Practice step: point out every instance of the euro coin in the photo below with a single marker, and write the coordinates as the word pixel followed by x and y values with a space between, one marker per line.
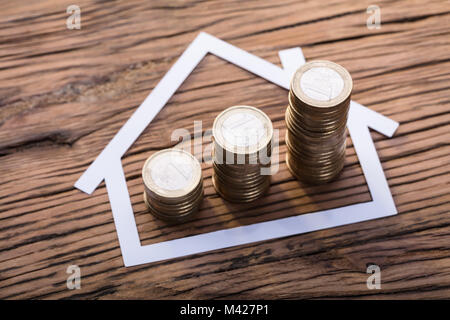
pixel 316 118
pixel 173 184
pixel 242 153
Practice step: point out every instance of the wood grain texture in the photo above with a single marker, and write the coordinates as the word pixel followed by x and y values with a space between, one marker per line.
pixel 65 93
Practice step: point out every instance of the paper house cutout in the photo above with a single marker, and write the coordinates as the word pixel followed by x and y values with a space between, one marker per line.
pixel 107 166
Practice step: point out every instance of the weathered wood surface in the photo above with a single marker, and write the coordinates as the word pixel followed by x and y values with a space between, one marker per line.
pixel 65 93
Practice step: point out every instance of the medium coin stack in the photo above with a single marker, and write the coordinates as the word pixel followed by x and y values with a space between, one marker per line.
pixel 173 184
pixel 316 118
pixel 241 154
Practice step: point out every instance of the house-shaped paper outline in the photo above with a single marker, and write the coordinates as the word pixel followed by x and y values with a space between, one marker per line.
pixel 108 164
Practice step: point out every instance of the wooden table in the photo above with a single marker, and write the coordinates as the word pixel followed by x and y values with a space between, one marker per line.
pixel 65 93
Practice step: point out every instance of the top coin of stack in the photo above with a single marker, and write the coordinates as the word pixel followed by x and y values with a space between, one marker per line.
pixel 316 119
pixel 241 155
pixel 173 184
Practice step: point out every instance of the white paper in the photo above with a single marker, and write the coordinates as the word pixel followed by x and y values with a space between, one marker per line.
pixel 108 164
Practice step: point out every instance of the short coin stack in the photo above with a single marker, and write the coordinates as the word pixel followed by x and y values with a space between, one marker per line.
pixel 173 184
pixel 241 155
pixel 316 118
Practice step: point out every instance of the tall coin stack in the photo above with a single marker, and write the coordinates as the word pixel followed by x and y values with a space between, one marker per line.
pixel 173 184
pixel 241 155
pixel 319 99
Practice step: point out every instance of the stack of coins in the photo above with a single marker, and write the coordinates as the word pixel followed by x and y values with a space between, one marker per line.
pixel 316 118
pixel 241 154
pixel 173 184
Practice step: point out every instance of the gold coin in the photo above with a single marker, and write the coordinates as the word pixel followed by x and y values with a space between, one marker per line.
pixel 242 130
pixel 321 84
pixel 173 184
pixel 316 118
pixel 242 149
pixel 171 173
pixel 163 216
